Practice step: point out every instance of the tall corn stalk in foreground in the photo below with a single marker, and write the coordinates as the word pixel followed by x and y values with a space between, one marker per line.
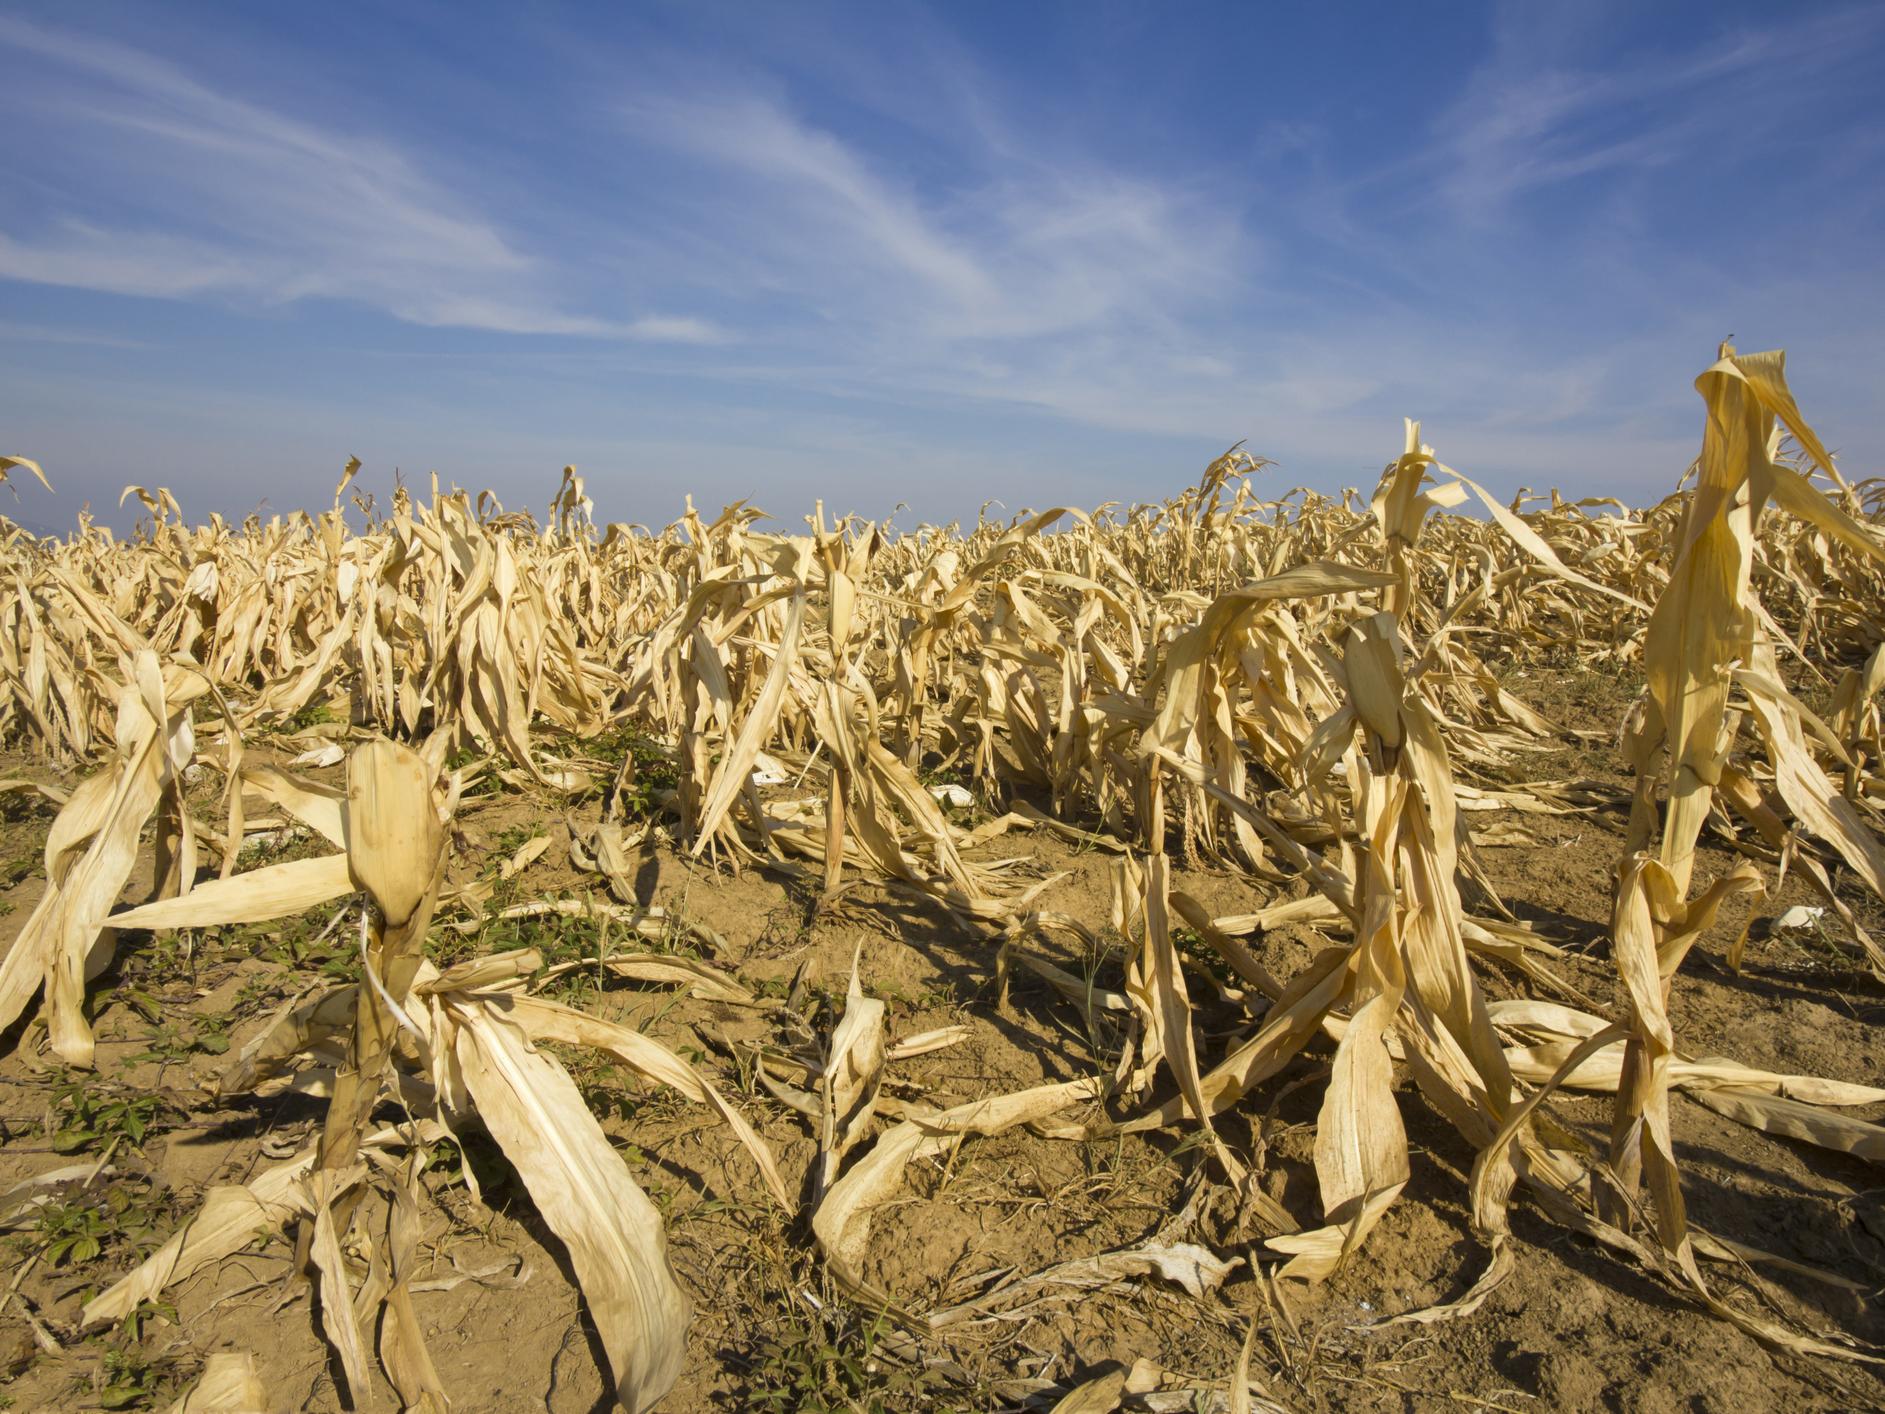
pixel 1707 635
pixel 453 1049
pixel 1410 974
pixel 1404 989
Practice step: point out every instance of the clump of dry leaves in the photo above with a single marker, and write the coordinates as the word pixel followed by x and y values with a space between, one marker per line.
pixel 1293 688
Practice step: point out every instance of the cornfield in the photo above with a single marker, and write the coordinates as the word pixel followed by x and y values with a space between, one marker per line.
pixel 1307 699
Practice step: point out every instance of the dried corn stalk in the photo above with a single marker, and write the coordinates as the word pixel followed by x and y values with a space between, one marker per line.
pixel 1293 687
pixel 466 1040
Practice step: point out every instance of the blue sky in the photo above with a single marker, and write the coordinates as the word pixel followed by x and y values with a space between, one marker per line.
pixel 887 253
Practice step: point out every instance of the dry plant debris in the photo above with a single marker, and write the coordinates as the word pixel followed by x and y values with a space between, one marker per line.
pixel 1308 695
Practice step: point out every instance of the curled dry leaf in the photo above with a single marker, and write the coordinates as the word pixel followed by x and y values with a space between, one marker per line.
pixel 847 1084
pixel 842 1221
pixel 582 1188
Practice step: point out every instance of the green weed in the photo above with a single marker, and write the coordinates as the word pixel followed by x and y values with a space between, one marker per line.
pixel 88 1114
pixel 118 1220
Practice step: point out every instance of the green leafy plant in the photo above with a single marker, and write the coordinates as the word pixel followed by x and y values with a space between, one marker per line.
pixel 647 772
pixel 127 1379
pixel 445 1162
pixel 173 1044
pixel 72 1233
pixel 90 1114
pixel 117 1219
pixel 826 1360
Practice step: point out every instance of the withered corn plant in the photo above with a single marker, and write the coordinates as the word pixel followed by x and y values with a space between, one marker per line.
pixel 453 1049
pixel 1707 636
pixel 1312 693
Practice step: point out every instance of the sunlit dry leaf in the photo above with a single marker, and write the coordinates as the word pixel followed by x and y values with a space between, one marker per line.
pixel 582 1188
pixel 229 1385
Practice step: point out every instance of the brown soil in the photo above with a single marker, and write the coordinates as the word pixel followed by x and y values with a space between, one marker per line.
pixel 1576 1327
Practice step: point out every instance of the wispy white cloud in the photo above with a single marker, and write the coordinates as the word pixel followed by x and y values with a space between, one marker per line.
pixel 12 331
pixel 1531 118
pixel 834 188
pixel 233 199
pixel 674 329
pixel 125 262
pixel 1013 243
pixel 497 315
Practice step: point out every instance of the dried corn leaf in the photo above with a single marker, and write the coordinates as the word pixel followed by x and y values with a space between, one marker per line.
pixel 583 1190
pixel 853 1070
pixel 229 1385
pixel 259 896
pixel 842 1221
pixel 543 1020
pixel 230 1218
